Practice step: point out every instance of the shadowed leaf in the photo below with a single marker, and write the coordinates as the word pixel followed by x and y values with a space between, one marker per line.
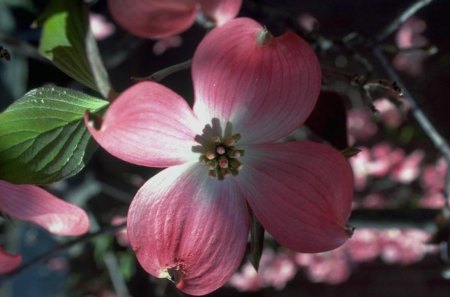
pixel 43 137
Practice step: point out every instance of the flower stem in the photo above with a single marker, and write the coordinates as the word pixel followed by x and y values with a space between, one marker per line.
pixel 163 73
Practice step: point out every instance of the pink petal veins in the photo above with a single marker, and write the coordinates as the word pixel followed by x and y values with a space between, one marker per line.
pixel 189 227
pixel 154 18
pixel 8 262
pixel 33 204
pixel 148 125
pixel 265 90
pixel 220 11
pixel 300 191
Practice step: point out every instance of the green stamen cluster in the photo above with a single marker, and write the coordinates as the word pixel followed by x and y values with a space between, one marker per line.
pixel 221 156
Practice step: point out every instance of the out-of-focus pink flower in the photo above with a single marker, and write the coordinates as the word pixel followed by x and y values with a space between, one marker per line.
pixel 433 176
pixel 158 19
pixel 275 270
pixel 190 222
pixel 57 264
pixel 374 200
pixel 33 204
pixel 360 125
pixel 100 27
pixel 404 246
pixel 329 267
pixel 410 36
pixel 432 181
pixel 360 169
pixel 408 170
pixel 8 262
pixel 376 162
pixel 121 235
pixel 308 22
pixel 390 114
pixel 364 245
pixel 164 44
pixel 432 199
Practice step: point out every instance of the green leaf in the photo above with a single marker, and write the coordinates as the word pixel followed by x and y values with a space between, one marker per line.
pixel 102 244
pixel 256 242
pixel 43 137
pixel 127 265
pixel 67 41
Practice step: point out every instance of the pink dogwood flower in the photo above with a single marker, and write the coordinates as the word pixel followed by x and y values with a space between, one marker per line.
pixel 8 262
pixel 33 204
pixel 158 19
pixel 190 222
pixel 410 36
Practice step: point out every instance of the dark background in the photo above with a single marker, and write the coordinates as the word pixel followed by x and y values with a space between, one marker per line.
pixel 126 56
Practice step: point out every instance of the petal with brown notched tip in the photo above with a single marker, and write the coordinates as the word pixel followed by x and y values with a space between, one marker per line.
pixel 265 90
pixel 148 125
pixel 301 192
pixel 190 227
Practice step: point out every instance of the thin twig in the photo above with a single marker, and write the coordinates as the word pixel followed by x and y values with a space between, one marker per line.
pixel 22 47
pixel 161 74
pixel 112 265
pixel 401 18
pixel 61 248
pixel 437 139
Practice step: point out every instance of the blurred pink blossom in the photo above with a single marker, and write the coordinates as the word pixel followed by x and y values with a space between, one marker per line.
pixel 364 245
pixel 375 162
pixel 57 264
pixel 121 235
pixel 410 36
pixel 100 27
pixel 432 200
pixel 408 169
pixel 374 200
pixel 329 267
pixel 404 246
pixel 275 270
pixel 308 22
pixel 163 44
pixel 390 114
pixel 158 19
pixel 433 176
pixel 360 125
pixel 432 182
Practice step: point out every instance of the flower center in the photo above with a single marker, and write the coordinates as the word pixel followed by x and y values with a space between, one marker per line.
pixel 218 150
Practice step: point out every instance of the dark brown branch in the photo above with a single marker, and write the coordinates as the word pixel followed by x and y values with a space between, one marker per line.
pixel 161 74
pixel 61 248
pixel 401 18
pixel 437 139
pixel 22 47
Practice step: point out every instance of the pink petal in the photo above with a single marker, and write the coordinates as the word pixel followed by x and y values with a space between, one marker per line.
pixel 33 204
pixel 149 125
pixel 300 191
pixel 8 262
pixel 266 91
pixel 154 18
pixel 191 225
pixel 221 11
